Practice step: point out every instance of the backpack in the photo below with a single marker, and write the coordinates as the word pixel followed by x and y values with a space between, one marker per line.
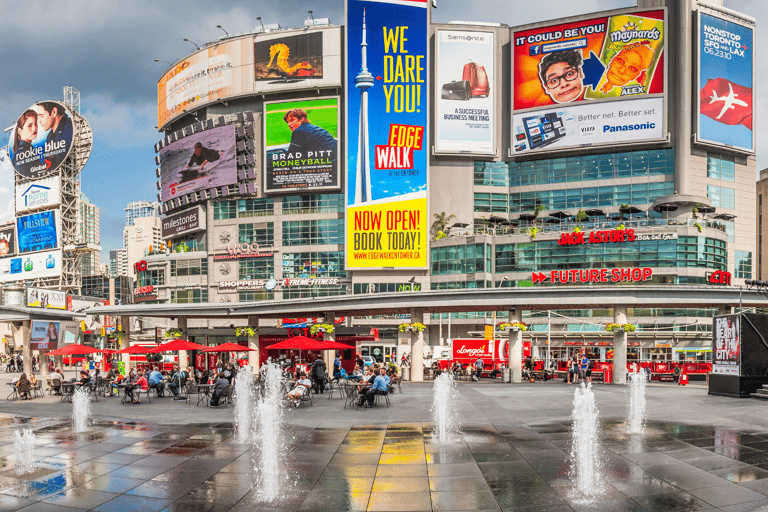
pixel 591 364
pixel 478 79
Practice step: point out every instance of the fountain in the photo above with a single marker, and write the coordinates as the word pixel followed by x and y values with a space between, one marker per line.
pixel 268 441
pixel 81 410
pixel 636 416
pixel 444 421
pixel 244 404
pixel 24 450
pixel 585 449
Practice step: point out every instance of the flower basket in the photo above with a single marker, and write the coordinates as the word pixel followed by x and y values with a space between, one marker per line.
pixel 514 326
pixel 321 328
pixel 118 335
pixel 620 328
pixel 173 333
pixel 245 331
pixel 414 327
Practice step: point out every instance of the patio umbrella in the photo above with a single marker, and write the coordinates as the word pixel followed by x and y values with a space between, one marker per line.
pixel 560 215
pixel 593 212
pixel 304 343
pixel 229 347
pixel 134 349
pixel 175 346
pixel 74 349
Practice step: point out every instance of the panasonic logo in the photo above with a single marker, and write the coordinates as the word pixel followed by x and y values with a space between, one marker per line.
pixel 628 127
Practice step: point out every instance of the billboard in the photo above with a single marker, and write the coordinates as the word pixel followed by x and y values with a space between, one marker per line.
pixel 46 299
pixel 43 193
pixel 465 96
pixel 38 231
pixel 588 124
pixel 297 56
pixel 725 83
pixel 30 266
pixel 616 56
pixel 200 161
pixel 216 72
pixel 44 335
pixel 188 221
pixel 301 145
pixel 41 139
pixel 726 345
pixel 8 240
pixel 387 134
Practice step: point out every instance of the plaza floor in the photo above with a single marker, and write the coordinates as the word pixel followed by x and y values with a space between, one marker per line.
pixel 698 453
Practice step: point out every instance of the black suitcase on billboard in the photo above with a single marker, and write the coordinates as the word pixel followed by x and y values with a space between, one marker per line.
pixel 456 91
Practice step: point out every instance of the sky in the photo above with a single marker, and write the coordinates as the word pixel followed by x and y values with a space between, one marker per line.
pixel 107 51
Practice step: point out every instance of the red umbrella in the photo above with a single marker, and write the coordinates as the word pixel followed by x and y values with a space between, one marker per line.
pixel 175 346
pixel 304 343
pixel 134 349
pixel 229 347
pixel 74 349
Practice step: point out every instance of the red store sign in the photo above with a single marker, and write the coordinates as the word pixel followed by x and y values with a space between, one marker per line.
pixel 140 266
pixel 720 277
pixel 594 275
pixel 598 237
pixel 143 290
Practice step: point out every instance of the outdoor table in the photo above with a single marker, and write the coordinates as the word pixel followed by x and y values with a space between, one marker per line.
pixel 204 393
pixel 68 389
pixel 14 395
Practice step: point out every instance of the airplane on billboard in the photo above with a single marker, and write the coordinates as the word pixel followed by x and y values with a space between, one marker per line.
pixel 729 101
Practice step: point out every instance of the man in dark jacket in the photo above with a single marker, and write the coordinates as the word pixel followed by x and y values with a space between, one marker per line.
pixel 218 390
pixel 318 375
pixel 308 138
pixel 229 373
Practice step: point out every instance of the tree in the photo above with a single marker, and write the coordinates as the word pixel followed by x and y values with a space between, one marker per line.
pixel 441 221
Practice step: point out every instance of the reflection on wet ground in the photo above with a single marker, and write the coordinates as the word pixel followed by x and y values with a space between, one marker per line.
pixel 126 466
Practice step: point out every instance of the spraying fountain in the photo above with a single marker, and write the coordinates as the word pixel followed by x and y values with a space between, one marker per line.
pixel 636 416
pixel 585 450
pixel 444 422
pixel 244 404
pixel 268 441
pixel 81 410
pixel 24 450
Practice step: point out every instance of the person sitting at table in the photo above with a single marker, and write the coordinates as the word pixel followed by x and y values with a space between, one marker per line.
pixel 178 379
pixel 368 376
pixel 156 381
pixel 56 380
pixel 141 383
pixel 229 373
pixel 32 379
pixel 19 383
pixel 377 387
pixel 356 373
pixel 114 388
pixel 84 377
pixel 302 386
pixel 218 389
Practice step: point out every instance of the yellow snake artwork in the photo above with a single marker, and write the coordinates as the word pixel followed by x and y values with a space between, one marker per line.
pixel 282 52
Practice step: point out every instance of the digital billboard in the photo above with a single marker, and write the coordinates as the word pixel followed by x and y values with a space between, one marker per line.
pixel 44 335
pixel 38 231
pixel 41 139
pixel 43 193
pixel 30 266
pixel 301 145
pixel 465 94
pixel 725 83
pixel 387 136
pixel 216 72
pixel 616 56
pixel 46 299
pixel 726 345
pixel 8 240
pixel 200 161
pixel 296 56
pixel 588 124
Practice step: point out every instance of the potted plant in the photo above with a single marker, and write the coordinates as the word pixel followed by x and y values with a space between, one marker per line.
pixel 321 328
pixel 577 229
pixel 532 232
pixel 173 332
pixel 698 226
pixel 118 335
pixel 405 327
pixel 620 227
pixel 440 223
pixel 245 331
pixel 418 326
pixel 620 328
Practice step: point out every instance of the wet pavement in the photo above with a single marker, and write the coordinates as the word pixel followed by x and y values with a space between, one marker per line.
pixel 697 453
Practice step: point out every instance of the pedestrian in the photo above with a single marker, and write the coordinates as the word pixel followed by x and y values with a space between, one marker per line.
pixel 318 373
pixel 479 366
pixel 575 368
pixel 584 366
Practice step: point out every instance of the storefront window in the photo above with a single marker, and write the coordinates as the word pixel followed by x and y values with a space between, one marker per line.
pixel 590 197
pixel 720 168
pixel 154 277
pixel 196 267
pixel 313 264
pixel 262 233
pixel 461 259
pixel 255 207
pixel 320 203
pixel 256 296
pixel 257 268
pixel 189 296
pixel 313 232
pixel 722 197
pixel 224 210
pixel 743 265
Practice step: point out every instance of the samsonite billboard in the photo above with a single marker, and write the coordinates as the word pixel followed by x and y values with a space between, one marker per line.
pixel 725 83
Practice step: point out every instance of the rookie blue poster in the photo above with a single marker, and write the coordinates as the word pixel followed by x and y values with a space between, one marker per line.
pixel 387 133
pixel 725 83
pixel 37 232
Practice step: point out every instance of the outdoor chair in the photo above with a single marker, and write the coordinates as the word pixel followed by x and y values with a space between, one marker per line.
pixel 91 389
pixel 191 389
pixel 55 387
pixel 24 388
pixel 38 389
pixel 395 380
pixel 378 395
pixel 306 397
pixel 137 394
pixel 226 397
pixel 338 387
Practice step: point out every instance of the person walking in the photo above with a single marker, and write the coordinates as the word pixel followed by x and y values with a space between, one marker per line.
pixel 584 366
pixel 479 366
pixel 318 373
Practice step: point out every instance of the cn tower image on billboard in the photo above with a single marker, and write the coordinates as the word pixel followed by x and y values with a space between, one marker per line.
pixel 363 81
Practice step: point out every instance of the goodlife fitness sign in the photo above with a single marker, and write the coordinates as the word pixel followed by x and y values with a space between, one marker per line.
pixel 594 275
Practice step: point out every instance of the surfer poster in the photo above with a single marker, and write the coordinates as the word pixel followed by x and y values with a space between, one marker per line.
pixel 200 161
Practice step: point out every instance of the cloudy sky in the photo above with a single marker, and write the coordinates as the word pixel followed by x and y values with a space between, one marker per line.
pixel 107 51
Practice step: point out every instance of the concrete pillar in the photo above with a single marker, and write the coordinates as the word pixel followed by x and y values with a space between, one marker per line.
pixel 620 347
pixel 515 363
pixel 43 356
pixel 125 342
pixel 183 355
pixel 417 348
pixel 26 352
pixel 253 342
pixel 328 355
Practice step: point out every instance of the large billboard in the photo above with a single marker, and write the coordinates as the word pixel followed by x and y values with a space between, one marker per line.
pixel 276 61
pixel 200 161
pixel 301 145
pixel 725 83
pixel 43 193
pixel 30 266
pixel 581 73
pixel 8 240
pixel 38 231
pixel 44 335
pixel 387 134
pixel 46 299
pixel 183 223
pixel 41 139
pixel 465 94
pixel 726 345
